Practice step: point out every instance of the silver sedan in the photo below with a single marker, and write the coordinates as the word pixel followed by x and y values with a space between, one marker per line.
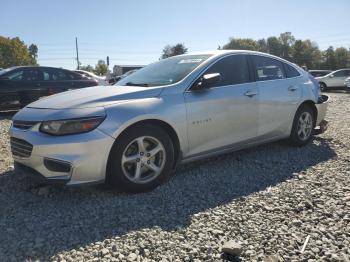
pixel 173 111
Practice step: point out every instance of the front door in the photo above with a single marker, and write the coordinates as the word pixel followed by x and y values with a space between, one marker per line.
pixel 227 112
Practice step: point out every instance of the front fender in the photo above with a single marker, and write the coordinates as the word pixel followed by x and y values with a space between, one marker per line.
pixel 169 109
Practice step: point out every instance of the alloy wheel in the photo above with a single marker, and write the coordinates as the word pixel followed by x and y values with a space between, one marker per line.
pixel 305 126
pixel 143 159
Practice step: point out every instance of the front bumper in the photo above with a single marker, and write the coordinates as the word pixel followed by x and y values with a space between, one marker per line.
pixel 73 159
pixel 321 123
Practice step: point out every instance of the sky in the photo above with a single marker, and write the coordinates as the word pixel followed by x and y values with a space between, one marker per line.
pixel 135 32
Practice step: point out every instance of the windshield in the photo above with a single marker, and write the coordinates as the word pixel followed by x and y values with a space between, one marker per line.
pixel 165 72
pixel 3 71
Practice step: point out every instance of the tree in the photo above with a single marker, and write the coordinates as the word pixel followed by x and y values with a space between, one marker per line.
pixel 101 68
pixel 342 57
pixel 274 46
pixel 301 52
pixel 329 59
pixel 287 40
pixel 88 68
pixel 241 44
pixel 262 46
pixel 33 51
pixel 13 52
pixel 306 53
pixel 174 50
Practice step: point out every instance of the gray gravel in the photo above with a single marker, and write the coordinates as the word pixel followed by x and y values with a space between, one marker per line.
pixel 267 200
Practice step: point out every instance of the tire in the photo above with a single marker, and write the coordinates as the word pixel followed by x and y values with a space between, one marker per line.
pixel 303 126
pixel 323 86
pixel 134 169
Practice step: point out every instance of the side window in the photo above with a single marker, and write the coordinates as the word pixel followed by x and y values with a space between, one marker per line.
pixel 267 68
pixel 59 75
pixel 290 71
pixel 46 74
pixel 339 73
pixel 75 76
pixel 16 76
pixel 233 70
pixel 32 74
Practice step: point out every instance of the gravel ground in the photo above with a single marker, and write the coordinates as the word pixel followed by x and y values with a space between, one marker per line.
pixel 269 199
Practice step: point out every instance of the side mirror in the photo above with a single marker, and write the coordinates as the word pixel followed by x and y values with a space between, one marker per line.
pixel 331 76
pixel 206 81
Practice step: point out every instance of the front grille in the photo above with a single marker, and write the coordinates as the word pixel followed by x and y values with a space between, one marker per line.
pixel 25 125
pixel 21 147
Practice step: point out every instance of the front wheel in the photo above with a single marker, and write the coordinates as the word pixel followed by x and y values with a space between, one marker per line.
pixel 303 126
pixel 323 87
pixel 141 159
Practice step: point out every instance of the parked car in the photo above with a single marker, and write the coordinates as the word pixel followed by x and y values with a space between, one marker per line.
pixel 334 80
pixel 347 83
pixel 22 85
pixel 101 80
pixel 114 80
pixel 318 73
pixel 173 111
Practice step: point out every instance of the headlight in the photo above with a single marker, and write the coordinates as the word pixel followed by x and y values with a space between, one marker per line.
pixel 70 126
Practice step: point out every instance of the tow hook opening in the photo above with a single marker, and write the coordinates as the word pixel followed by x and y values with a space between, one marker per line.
pixel 322 99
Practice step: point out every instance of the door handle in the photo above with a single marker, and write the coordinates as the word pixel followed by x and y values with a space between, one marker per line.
pixel 38 84
pixel 292 88
pixel 250 93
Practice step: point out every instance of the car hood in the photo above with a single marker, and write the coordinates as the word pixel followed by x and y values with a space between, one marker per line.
pixel 97 96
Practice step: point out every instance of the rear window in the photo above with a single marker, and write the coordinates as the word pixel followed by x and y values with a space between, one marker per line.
pixel 267 68
pixel 290 71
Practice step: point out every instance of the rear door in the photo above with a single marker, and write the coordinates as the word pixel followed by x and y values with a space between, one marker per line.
pixel 10 87
pixel 338 78
pixel 32 89
pixel 226 113
pixel 56 80
pixel 21 87
pixel 278 96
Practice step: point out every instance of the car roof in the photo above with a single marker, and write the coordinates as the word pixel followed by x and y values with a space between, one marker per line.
pixel 223 52
pixel 218 53
pixel 341 69
pixel 47 67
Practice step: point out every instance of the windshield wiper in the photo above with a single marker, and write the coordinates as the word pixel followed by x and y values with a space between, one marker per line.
pixel 135 84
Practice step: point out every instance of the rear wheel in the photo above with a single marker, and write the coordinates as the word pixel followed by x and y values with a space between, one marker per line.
pixel 303 126
pixel 323 86
pixel 141 159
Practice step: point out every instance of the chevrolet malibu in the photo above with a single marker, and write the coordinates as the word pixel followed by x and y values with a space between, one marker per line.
pixel 173 111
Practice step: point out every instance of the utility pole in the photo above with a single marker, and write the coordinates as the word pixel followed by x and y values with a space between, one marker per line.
pixel 76 48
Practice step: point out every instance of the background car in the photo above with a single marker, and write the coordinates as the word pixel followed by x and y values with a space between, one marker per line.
pixel 318 73
pixel 20 86
pixel 101 80
pixel 173 111
pixel 347 83
pixel 334 80
pixel 114 80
